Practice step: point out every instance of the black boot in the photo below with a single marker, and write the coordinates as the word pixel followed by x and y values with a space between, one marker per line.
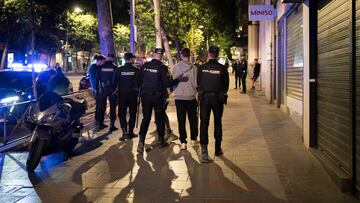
pixel 140 148
pixel 163 143
pixel 124 135
pixel 112 127
pixel 131 134
pixel 204 154
pixel 218 150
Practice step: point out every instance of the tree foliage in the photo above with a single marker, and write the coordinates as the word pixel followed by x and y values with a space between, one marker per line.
pixel 82 30
pixel 193 19
pixel 145 25
pixel 122 37
pixel 15 21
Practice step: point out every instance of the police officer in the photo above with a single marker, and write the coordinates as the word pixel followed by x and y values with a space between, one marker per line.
pixel 127 89
pixel 154 80
pixel 106 90
pixel 213 84
pixel 243 72
pixel 93 74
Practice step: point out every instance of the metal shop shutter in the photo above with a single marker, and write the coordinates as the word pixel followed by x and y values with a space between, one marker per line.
pixel 294 58
pixel 357 94
pixel 333 93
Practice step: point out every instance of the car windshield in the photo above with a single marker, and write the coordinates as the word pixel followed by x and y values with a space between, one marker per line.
pixel 15 80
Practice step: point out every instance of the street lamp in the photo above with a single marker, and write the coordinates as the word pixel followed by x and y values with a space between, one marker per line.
pixel 78 10
pixel 201 26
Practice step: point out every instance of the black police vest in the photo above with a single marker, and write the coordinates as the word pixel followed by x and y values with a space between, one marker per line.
pixel 151 80
pixel 210 79
pixel 127 78
pixel 106 73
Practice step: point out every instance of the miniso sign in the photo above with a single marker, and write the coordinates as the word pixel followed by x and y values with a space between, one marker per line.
pixel 261 12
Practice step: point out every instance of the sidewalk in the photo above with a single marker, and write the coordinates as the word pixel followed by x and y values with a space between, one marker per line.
pixel 264 161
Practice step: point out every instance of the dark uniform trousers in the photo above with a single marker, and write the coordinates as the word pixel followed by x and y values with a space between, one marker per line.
pixel 101 102
pixel 210 103
pixel 127 100
pixel 188 107
pixel 148 106
pixel 243 80
pixel 237 80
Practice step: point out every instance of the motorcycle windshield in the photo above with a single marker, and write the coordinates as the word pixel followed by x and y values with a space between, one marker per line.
pixel 48 99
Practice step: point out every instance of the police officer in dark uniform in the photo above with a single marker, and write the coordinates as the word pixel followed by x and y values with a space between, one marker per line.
pixel 213 84
pixel 93 75
pixel 153 81
pixel 127 89
pixel 243 72
pixel 106 90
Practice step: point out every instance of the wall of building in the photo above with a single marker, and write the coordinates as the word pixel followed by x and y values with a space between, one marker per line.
pixel 265 56
pixel 298 109
pixel 306 79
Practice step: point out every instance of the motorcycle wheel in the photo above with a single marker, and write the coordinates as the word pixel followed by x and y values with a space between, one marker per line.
pixel 71 144
pixel 35 154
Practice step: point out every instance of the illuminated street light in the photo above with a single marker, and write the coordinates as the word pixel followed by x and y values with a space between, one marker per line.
pixel 78 10
pixel 201 26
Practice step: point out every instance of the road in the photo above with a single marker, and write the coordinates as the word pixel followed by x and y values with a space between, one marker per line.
pixel 75 79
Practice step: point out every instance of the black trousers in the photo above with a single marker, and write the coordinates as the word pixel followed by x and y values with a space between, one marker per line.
pixel 188 107
pixel 148 106
pixel 208 104
pixel 237 80
pixel 243 80
pixel 101 101
pixel 166 117
pixel 127 100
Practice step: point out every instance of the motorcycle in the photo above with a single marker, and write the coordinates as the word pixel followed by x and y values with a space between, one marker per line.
pixel 55 125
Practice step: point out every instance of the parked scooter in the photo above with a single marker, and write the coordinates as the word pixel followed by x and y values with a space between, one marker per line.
pixel 55 123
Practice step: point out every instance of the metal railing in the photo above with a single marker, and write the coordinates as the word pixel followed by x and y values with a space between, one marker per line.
pixel 15 132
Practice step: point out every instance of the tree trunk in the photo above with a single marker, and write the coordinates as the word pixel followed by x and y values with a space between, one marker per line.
pixel 178 46
pixel 105 27
pixel 157 23
pixel 167 49
pixel 3 58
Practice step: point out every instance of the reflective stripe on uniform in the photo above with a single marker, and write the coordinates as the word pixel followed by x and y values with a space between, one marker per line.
pixel 107 70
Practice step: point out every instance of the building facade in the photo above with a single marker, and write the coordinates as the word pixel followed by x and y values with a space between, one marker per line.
pixel 309 55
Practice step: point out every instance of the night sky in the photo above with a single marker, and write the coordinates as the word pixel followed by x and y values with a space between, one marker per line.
pixel 121 8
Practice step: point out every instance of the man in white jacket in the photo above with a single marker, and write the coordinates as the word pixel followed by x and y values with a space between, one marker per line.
pixel 185 98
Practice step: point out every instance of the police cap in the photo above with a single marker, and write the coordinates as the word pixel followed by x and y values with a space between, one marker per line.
pixel 129 56
pixel 159 51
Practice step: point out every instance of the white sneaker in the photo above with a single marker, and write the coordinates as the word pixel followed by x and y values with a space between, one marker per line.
pixel 183 146
pixel 194 142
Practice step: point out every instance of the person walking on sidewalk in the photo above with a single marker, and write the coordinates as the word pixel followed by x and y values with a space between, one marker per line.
pixel 236 72
pixel 213 85
pixel 243 73
pixel 185 98
pixel 127 89
pixel 256 72
pixel 153 81
pixel 107 90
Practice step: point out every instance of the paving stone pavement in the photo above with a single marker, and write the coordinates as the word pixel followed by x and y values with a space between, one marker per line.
pixel 264 161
